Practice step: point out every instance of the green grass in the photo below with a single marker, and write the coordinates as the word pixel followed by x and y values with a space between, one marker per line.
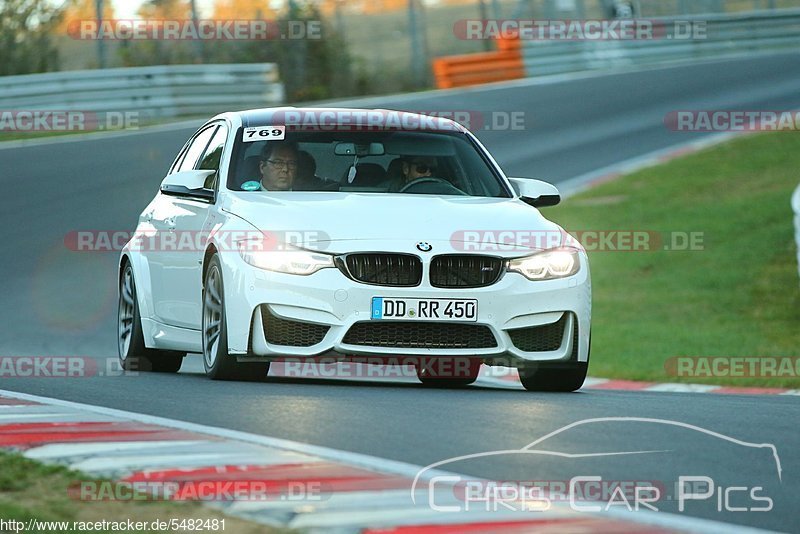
pixel 740 296
pixel 31 490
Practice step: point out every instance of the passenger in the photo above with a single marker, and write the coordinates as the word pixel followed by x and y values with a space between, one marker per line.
pixel 307 167
pixel 307 179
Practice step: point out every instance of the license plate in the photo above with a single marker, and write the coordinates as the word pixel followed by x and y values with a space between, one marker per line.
pixel 425 309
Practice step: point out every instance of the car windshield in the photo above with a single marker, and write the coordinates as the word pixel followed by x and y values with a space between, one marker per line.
pixel 434 163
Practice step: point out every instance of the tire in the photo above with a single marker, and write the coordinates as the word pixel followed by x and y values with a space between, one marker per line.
pixel 218 364
pixel 133 354
pixel 563 377
pixel 444 372
pixel 544 377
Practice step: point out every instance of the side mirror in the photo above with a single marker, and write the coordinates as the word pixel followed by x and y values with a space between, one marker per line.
pixel 188 184
pixel 536 193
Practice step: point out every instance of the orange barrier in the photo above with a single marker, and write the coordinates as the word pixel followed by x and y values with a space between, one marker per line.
pixel 508 43
pixel 484 67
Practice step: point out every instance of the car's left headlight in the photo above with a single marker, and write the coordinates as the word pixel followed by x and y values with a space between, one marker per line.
pixel 288 259
pixel 547 265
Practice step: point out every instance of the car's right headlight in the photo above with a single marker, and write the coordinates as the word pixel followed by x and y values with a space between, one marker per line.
pixel 287 259
pixel 547 265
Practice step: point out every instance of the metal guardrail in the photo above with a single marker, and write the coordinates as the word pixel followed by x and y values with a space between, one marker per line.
pixel 727 34
pixel 157 91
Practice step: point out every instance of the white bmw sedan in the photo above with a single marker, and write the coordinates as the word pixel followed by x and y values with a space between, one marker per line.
pixel 306 233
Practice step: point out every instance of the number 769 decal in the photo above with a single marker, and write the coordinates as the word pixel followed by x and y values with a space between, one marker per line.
pixel 264 133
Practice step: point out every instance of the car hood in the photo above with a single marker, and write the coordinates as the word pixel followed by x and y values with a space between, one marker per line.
pixel 348 222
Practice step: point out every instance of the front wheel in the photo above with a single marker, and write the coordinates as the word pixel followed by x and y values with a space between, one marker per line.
pixel 133 354
pixel 218 364
pixel 448 372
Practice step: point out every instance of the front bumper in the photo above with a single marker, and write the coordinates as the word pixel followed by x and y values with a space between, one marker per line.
pixel 329 298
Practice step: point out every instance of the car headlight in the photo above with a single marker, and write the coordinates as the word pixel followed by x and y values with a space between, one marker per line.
pixel 287 259
pixel 547 265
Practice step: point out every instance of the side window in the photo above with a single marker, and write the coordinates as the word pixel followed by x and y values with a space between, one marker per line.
pixel 212 155
pixel 179 158
pixel 197 147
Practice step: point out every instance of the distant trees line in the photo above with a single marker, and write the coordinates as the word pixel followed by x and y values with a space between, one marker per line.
pixel 311 68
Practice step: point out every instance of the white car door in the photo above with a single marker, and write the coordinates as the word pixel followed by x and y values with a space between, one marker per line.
pixel 179 222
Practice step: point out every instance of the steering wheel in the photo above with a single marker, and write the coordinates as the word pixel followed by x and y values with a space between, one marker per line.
pixel 445 187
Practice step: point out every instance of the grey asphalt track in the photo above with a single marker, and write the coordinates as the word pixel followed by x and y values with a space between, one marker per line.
pixel 59 302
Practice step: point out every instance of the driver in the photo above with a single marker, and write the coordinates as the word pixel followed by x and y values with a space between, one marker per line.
pixel 278 165
pixel 413 168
